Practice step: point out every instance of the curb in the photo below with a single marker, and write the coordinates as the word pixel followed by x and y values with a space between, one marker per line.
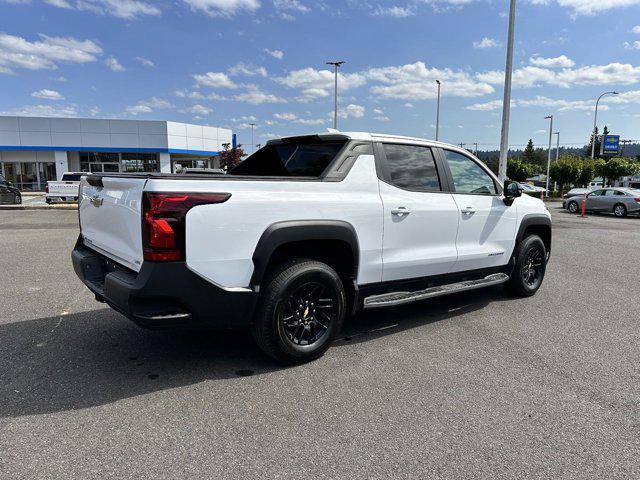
pixel 38 207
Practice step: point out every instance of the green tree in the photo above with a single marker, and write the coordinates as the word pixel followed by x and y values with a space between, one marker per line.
pixel 529 154
pixel 519 170
pixel 587 171
pixel 566 170
pixel 614 168
pixel 594 137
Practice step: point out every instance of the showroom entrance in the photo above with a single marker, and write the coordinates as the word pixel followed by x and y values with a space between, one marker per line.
pixel 29 176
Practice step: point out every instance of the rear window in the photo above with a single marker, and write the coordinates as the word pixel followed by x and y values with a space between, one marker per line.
pixel 290 160
pixel 71 177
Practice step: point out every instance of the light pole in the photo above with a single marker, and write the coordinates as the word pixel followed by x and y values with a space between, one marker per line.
pixel 550 118
pixel 336 65
pixel 476 151
pixel 253 147
pixel 557 145
pixel 506 102
pixel 595 123
pixel 438 112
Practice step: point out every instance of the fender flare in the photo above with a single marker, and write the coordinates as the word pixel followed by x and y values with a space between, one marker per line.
pixel 281 233
pixel 533 219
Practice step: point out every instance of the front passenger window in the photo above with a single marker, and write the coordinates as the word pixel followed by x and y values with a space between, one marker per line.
pixel 468 176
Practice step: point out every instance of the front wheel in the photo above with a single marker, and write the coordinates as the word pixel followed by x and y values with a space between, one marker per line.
pixel 300 311
pixel 530 267
pixel 573 207
pixel 17 199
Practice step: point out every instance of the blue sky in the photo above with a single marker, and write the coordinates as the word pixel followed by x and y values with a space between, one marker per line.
pixel 234 62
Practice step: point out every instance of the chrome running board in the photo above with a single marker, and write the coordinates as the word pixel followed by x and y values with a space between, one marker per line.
pixel 399 298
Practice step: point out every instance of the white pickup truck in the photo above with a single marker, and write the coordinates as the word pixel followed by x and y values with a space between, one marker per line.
pixel 305 231
pixel 64 190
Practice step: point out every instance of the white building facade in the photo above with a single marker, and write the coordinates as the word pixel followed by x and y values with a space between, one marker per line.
pixel 34 150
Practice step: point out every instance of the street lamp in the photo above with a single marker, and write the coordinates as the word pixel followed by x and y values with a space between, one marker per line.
pixel 557 145
pixel 595 120
pixel 336 65
pixel 438 112
pixel 550 118
pixel 506 102
pixel 253 147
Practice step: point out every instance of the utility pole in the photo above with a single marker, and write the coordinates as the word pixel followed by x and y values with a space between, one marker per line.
pixel 557 145
pixel 462 145
pixel 438 113
pixel 506 102
pixel 336 65
pixel 253 147
pixel 595 123
pixel 550 118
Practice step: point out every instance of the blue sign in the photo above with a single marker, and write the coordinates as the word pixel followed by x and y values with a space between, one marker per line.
pixel 234 141
pixel 610 143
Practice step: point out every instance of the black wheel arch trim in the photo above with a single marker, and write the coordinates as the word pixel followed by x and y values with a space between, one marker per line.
pixel 282 233
pixel 531 220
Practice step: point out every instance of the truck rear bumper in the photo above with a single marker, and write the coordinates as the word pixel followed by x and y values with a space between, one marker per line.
pixel 162 295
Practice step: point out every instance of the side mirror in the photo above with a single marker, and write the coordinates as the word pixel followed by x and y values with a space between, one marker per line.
pixel 512 191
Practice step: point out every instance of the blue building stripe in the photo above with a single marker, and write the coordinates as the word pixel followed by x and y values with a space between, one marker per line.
pixel 108 149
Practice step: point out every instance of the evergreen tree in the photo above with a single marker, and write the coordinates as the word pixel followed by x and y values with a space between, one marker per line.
pixel 529 154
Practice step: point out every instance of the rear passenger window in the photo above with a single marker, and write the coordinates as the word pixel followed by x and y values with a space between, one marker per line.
pixel 468 176
pixel 411 167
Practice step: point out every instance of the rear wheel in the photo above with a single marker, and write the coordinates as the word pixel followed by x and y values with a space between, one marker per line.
pixel 620 210
pixel 530 267
pixel 17 200
pixel 300 311
pixel 573 207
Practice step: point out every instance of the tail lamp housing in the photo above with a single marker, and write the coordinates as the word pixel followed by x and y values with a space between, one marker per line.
pixel 163 222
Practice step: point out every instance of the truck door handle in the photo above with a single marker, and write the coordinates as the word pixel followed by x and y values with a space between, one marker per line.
pixel 400 211
pixel 468 211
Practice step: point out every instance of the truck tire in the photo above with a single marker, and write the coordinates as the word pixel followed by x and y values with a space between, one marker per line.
pixel 300 311
pixel 530 267
pixel 17 200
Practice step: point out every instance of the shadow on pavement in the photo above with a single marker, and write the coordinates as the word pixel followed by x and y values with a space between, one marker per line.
pixel 97 357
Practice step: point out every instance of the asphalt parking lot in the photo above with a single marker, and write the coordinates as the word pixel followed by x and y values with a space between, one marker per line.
pixel 477 385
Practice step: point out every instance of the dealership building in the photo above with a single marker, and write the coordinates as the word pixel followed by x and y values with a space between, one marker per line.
pixel 34 150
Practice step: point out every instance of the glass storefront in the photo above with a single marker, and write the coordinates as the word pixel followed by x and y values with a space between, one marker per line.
pixel 29 176
pixel 140 162
pixel 99 162
pixel 181 163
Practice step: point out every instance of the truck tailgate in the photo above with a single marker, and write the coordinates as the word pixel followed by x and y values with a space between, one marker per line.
pixel 111 218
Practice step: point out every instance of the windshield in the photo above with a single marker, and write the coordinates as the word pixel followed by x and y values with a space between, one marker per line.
pixel 71 177
pixel 290 160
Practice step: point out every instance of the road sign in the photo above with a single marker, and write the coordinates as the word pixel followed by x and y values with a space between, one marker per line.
pixel 610 145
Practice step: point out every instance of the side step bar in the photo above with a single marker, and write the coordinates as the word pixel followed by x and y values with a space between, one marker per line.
pixel 399 298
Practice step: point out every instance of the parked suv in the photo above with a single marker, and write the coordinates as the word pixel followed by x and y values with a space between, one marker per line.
pixel 9 193
pixel 304 232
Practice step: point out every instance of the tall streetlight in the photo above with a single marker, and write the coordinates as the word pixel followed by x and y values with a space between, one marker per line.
pixel 557 145
pixel 253 147
pixel 506 102
pixel 550 118
pixel 336 65
pixel 595 123
pixel 438 112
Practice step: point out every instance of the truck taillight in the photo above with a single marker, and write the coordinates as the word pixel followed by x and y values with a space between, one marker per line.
pixel 46 187
pixel 637 200
pixel 163 222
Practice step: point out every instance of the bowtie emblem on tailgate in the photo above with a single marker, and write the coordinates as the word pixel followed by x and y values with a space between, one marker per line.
pixel 96 201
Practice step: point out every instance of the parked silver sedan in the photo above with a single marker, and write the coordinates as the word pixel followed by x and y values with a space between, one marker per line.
pixel 619 201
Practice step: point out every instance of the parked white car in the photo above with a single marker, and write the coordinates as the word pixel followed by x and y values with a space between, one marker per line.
pixel 304 232
pixel 65 190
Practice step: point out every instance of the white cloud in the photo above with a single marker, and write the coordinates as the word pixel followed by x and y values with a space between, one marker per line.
pixel 351 110
pixel 636 29
pixel 145 62
pixel 632 45
pixel 486 106
pixel 43 111
pixel 538 101
pixel 290 5
pixel 379 115
pixel 409 105
pixel 47 94
pixel 114 64
pixel 196 95
pixel 127 9
pixel 93 111
pixel 223 8
pixel 394 11
pixel 248 70
pixel 148 106
pixel 486 43
pixel 60 79
pixel 311 121
pixel 275 53
pixel 214 80
pixel 591 7
pixel 319 83
pixel 556 62
pixel 285 116
pixel 200 110
pixel 417 82
pixel 138 109
pixel 16 52
pixel 255 96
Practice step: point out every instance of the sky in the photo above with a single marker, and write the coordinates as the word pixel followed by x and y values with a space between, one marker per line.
pixel 229 63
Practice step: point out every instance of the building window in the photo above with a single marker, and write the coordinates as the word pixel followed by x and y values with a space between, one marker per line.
pixel 139 162
pixel 99 162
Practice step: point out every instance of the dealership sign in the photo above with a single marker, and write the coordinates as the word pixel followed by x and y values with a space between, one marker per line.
pixel 610 145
